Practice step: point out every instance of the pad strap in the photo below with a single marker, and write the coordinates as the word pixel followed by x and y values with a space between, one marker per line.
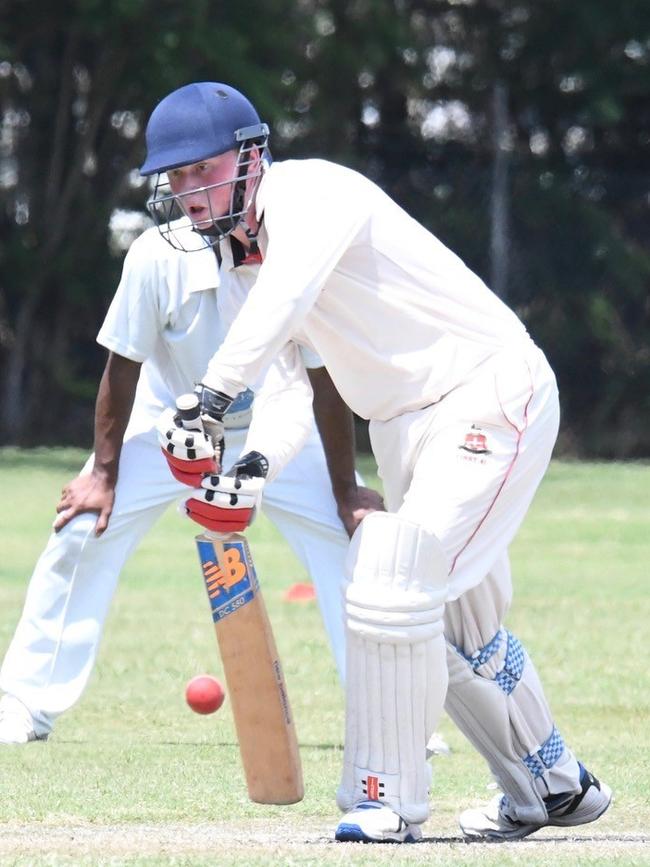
pixel 513 664
pixel 546 756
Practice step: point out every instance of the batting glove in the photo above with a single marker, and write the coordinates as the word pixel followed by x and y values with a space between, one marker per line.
pixel 190 454
pixel 213 406
pixel 228 503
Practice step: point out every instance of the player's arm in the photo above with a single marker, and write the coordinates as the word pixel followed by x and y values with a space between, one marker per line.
pixel 95 491
pixel 287 285
pixel 336 428
pixel 280 424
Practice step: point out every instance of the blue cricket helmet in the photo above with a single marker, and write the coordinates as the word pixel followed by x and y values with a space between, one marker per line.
pixel 196 122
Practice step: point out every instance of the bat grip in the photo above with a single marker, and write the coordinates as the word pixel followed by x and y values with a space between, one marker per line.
pixel 189 411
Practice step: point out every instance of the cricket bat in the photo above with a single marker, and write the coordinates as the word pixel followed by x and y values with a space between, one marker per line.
pixel 256 686
pixel 251 664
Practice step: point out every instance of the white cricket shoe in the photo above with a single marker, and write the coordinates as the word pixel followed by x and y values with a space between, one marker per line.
pixel 492 822
pixel 16 723
pixel 437 746
pixel 374 822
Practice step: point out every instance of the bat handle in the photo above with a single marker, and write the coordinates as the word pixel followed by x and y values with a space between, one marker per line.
pixel 189 411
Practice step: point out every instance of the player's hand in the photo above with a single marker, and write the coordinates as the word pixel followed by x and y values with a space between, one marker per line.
pixel 88 493
pixel 190 454
pixel 213 405
pixel 354 505
pixel 228 503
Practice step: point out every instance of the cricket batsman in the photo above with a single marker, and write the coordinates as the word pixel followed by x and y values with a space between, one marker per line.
pixel 464 413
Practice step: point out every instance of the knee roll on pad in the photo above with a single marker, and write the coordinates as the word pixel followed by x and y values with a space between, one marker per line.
pixel 396 670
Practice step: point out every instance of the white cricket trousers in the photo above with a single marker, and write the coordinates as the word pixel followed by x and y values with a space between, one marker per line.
pixel 53 651
pixel 466 469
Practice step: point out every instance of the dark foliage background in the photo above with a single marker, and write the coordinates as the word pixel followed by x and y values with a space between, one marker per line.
pixel 518 132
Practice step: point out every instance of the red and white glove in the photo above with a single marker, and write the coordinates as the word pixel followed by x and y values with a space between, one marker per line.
pixel 191 454
pixel 228 503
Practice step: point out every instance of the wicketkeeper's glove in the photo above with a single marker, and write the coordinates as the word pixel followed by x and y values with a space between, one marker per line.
pixel 228 503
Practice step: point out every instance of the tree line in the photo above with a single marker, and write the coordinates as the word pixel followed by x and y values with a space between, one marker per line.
pixel 518 132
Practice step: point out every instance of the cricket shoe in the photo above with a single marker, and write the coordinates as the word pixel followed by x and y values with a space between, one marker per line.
pixel 374 822
pixel 437 746
pixel 16 723
pixel 493 821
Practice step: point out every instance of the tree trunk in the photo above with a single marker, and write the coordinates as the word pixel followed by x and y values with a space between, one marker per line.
pixel 14 401
pixel 499 203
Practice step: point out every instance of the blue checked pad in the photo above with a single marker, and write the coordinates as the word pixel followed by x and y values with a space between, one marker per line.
pixel 513 665
pixel 484 654
pixel 547 755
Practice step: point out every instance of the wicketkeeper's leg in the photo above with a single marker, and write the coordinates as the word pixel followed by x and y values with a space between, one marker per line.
pixel 54 647
pixel 301 505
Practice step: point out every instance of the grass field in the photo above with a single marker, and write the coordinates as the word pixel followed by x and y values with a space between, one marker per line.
pixel 132 776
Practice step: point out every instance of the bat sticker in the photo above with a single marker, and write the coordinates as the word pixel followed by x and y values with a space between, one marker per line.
pixel 230 584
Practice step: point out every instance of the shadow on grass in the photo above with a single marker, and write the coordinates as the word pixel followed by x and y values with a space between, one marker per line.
pixel 194 744
pixel 545 840
pixel 528 841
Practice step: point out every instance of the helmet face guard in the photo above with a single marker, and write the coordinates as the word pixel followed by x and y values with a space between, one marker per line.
pixel 176 226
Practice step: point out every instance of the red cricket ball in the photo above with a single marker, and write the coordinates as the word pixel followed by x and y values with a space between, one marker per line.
pixel 204 694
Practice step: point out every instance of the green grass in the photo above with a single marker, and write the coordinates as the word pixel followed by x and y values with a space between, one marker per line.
pixel 132 776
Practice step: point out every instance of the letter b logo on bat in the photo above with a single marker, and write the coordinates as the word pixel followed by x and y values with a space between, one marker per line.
pixel 233 567
pixel 229 575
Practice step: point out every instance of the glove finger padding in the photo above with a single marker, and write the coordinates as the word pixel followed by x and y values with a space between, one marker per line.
pixel 242 489
pixel 186 445
pixel 190 472
pixel 225 504
pixel 216 518
pixel 189 454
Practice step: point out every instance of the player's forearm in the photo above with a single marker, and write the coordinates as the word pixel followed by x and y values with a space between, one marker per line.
pixel 282 412
pixel 271 313
pixel 112 411
pixel 335 424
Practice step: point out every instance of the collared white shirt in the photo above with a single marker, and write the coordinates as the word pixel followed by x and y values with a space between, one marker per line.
pixel 166 314
pixel 397 317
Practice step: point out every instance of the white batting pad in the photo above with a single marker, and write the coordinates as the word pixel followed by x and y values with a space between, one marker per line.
pixel 396 669
pixel 506 717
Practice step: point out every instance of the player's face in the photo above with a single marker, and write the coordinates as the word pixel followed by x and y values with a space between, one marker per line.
pixel 204 189
pixel 213 197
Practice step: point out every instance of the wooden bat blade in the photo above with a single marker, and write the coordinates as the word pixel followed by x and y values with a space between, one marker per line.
pixel 256 687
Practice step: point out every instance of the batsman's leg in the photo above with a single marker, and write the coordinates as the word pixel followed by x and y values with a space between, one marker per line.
pixel 496 699
pixel 474 502
pixel 396 678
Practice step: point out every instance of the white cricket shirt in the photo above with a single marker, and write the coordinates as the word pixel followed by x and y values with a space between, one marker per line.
pixel 166 314
pixel 397 318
